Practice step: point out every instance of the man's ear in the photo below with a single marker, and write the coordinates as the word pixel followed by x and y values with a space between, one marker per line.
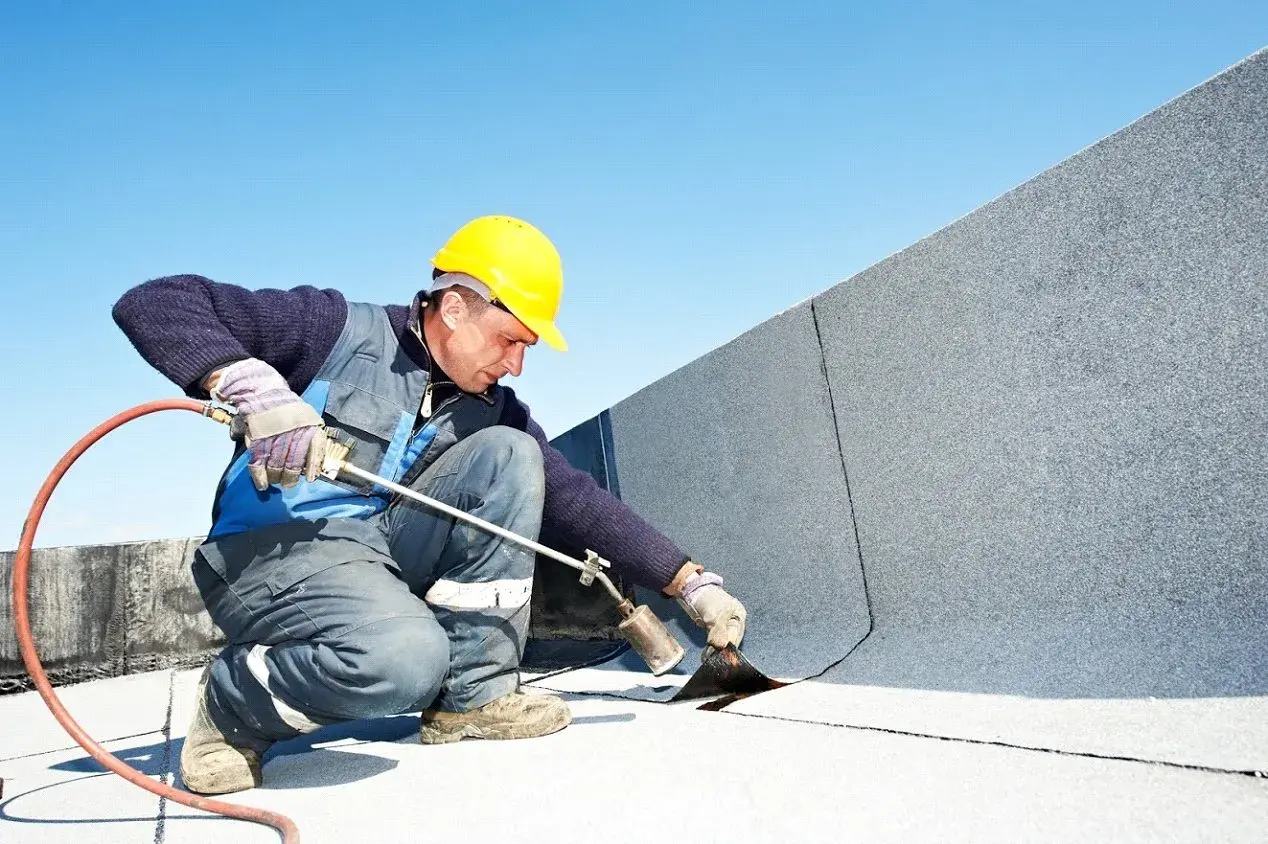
pixel 453 311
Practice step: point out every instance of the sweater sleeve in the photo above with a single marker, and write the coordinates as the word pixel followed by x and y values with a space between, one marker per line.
pixel 584 515
pixel 186 326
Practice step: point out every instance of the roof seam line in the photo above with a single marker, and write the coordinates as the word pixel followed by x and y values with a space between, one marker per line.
pixel 845 473
pixel 168 777
pixel 74 746
pixel 1209 769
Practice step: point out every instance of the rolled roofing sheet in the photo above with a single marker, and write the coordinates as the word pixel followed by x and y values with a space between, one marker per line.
pixel 1054 415
pixel 735 457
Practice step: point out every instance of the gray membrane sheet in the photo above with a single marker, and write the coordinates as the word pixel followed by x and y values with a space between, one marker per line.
pixel 765 780
pixel 735 458
pixel 1052 414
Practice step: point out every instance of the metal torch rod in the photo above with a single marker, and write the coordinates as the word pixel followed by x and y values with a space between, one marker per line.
pixel 370 477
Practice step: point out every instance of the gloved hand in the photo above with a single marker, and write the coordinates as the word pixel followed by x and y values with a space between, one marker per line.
pixel 285 434
pixel 712 608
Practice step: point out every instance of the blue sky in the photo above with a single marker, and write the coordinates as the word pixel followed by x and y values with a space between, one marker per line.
pixel 700 166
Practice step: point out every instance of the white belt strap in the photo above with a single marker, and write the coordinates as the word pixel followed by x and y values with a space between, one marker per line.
pixel 506 594
pixel 259 669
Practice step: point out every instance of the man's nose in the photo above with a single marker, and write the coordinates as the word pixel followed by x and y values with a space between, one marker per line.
pixel 515 361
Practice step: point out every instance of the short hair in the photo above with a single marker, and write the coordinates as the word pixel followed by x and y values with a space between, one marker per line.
pixel 476 303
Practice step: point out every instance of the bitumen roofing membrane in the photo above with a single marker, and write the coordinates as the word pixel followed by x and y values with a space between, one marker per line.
pixel 995 507
pixel 625 770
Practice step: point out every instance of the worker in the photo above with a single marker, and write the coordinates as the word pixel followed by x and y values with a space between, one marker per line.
pixel 339 600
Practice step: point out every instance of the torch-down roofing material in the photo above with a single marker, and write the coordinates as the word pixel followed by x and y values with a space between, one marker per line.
pixel 1016 472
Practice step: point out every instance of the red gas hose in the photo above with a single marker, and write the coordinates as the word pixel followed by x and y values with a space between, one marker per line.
pixel 22 622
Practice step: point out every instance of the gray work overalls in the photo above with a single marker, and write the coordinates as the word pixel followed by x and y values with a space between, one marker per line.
pixel 341 602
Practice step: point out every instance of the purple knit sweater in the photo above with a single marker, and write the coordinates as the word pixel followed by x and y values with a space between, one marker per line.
pixel 186 326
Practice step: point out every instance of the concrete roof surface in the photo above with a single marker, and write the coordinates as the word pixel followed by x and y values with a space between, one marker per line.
pixel 626 770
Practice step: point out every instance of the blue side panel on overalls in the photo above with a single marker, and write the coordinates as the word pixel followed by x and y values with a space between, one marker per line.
pixel 242 507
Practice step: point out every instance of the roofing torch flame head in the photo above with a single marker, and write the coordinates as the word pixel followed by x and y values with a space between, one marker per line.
pixel 649 636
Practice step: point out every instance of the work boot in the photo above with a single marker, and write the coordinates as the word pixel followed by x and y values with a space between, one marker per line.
pixel 209 763
pixel 513 716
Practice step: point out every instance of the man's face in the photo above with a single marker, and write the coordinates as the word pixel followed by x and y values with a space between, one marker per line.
pixel 486 347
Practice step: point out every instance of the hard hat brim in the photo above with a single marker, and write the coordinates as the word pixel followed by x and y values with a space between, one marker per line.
pixel 546 331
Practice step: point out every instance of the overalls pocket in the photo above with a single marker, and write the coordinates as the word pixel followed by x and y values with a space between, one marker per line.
pixel 378 427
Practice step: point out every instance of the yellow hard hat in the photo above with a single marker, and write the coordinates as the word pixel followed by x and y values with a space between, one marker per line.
pixel 518 263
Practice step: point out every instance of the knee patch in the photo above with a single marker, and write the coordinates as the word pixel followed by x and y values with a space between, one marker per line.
pixel 512 450
pixel 399 660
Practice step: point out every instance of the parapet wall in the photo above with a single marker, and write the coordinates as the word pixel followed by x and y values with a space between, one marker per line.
pixel 102 610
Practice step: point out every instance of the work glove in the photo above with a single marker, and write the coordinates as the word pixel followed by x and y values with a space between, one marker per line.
pixel 285 435
pixel 712 608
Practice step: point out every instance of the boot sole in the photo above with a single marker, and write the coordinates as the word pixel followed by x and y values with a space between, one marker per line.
pixel 219 784
pixel 432 733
